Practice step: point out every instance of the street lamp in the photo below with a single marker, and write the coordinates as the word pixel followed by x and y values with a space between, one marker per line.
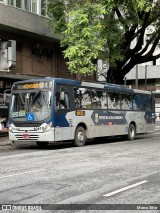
pixel 136 76
pixel 145 84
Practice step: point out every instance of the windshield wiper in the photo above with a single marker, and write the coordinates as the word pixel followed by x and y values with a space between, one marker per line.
pixel 34 97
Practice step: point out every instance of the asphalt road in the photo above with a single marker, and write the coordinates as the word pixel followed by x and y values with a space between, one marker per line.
pixel 109 171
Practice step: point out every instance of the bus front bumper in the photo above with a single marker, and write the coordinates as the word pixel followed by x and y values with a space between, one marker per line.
pixel 32 136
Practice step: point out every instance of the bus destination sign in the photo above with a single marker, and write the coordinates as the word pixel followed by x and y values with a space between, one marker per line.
pixel 34 85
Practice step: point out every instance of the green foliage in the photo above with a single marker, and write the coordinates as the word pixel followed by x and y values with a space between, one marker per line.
pixel 105 29
pixel 81 38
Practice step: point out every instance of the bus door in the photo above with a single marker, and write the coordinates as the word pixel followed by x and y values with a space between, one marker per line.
pixel 63 130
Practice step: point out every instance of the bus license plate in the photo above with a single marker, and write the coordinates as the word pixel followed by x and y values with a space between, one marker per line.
pixel 26 136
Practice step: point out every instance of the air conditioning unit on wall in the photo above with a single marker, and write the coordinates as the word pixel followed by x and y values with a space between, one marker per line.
pixel 7 55
pixel 11 54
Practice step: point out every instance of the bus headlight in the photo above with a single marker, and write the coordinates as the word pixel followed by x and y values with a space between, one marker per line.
pixel 10 129
pixel 48 127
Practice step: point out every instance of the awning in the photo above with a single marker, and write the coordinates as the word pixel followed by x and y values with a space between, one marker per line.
pixel 16 76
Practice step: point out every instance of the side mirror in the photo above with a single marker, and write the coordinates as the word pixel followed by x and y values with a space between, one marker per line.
pixel 7 94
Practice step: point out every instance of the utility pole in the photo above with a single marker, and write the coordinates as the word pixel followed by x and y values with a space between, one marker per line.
pixel 145 85
pixel 136 84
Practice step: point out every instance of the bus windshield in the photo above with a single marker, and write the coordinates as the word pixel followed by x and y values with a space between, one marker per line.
pixel 37 104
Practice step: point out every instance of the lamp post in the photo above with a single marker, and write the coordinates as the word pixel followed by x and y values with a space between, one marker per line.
pixel 145 84
pixel 125 81
pixel 136 85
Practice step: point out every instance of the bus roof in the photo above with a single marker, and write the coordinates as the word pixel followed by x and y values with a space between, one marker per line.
pixel 108 86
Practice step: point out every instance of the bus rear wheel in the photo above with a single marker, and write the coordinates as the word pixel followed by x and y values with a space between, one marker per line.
pixel 80 137
pixel 42 144
pixel 131 132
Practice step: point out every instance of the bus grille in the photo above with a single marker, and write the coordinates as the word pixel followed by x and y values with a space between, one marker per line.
pixel 31 137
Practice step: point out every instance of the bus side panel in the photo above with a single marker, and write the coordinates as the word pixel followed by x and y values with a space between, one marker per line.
pixel 63 133
pixel 144 121
pixel 92 130
pixel 58 134
pixel 63 126
pixel 101 123
pixel 111 122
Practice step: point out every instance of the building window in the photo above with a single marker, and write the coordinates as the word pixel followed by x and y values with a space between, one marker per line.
pixel 18 3
pixel 27 5
pixel 31 6
pixel 43 8
pixel 15 3
pixel 11 2
pixel 34 6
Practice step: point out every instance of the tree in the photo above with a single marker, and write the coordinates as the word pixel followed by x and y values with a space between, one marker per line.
pixel 105 29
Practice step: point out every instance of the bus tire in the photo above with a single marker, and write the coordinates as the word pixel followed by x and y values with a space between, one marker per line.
pixel 131 132
pixel 80 137
pixel 14 145
pixel 42 144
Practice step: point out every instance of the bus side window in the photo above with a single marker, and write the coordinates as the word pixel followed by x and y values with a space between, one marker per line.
pixel 147 102
pixel 66 100
pixel 86 98
pixel 138 102
pixel 113 100
pixel 99 99
pixel 62 100
pixel 82 98
pixel 126 101
pixel 77 98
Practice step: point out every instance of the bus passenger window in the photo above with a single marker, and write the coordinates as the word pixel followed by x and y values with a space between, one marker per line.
pixel 126 101
pixel 99 99
pixel 86 98
pixel 82 98
pixel 77 98
pixel 62 100
pixel 147 102
pixel 66 100
pixel 138 102
pixel 113 100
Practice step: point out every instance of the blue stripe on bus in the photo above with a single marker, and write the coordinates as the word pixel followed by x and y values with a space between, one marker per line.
pixel 61 121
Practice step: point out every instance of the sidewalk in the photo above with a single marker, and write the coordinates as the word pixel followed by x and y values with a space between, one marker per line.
pixel 5 144
pixel 4 140
pixel 157 127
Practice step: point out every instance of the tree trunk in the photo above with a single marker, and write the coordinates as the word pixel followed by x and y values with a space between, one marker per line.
pixel 114 75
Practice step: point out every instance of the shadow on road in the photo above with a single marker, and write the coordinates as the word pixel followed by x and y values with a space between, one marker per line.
pixel 63 145
pixel 67 144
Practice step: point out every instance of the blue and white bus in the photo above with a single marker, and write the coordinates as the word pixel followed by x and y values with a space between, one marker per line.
pixel 55 109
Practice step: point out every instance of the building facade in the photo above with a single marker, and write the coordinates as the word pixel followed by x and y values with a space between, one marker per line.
pixel 35 51
pixel 28 48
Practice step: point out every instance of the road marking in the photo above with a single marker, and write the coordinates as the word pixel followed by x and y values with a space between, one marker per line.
pixel 119 142
pixel 21 173
pixel 125 188
pixel 111 156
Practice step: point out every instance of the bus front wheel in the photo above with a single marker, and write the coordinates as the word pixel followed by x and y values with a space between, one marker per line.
pixel 80 137
pixel 131 132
